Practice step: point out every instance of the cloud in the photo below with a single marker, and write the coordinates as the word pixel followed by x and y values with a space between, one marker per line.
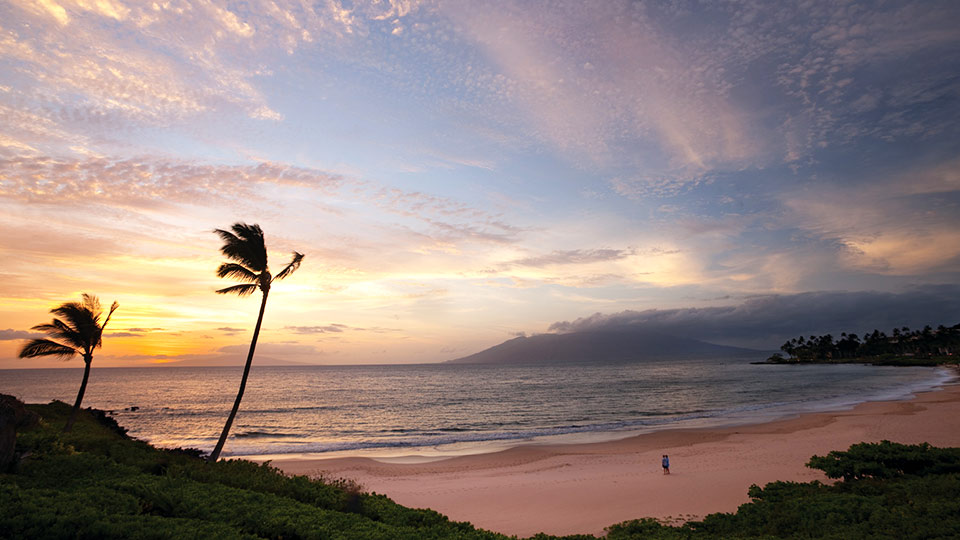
pixel 337 328
pixel 902 224
pixel 147 182
pixel 768 321
pixel 11 335
pixel 143 74
pixel 866 72
pixel 136 332
pixel 130 186
pixel 230 331
pixel 330 328
pixel 668 95
pixel 115 65
pixel 609 86
pixel 575 256
pixel 377 330
pixel 450 220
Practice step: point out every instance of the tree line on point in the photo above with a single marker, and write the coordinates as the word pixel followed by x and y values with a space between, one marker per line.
pixel 901 342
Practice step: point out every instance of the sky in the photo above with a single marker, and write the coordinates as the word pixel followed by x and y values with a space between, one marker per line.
pixel 458 173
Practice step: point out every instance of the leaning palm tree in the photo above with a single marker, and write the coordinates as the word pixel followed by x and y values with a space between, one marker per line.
pixel 80 332
pixel 245 246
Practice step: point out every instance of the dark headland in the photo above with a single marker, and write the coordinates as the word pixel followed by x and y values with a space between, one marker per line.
pixel 613 345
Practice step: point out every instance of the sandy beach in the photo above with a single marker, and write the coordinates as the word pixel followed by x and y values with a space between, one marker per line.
pixel 582 488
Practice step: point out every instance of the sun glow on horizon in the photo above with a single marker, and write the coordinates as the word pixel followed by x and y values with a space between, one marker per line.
pixel 460 173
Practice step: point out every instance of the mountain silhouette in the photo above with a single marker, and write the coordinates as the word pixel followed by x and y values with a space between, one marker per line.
pixel 611 345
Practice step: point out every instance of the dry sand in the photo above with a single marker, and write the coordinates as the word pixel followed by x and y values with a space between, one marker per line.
pixel 582 488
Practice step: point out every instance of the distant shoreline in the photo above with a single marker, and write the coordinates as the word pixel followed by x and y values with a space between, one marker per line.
pixel 884 360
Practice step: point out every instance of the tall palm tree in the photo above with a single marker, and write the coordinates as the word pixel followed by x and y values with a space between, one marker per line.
pixel 246 247
pixel 80 332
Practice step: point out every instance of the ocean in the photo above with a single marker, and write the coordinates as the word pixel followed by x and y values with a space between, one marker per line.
pixel 445 409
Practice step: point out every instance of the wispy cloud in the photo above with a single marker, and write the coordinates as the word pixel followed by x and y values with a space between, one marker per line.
pixel 145 182
pixel 575 256
pixel 330 328
pixel 597 82
pixel 230 331
pixel 903 224
pixel 11 335
pixel 440 161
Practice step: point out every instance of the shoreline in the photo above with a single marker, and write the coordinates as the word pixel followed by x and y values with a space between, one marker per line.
pixel 725 419
pixel 582 487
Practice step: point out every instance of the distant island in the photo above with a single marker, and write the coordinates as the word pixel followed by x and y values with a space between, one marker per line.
pixel 625 344
pixel 902 347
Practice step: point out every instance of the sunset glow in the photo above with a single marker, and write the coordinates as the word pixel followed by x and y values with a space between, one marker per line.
pixel 461 172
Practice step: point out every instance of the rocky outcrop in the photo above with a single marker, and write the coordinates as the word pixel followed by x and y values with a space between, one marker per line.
pixel 13 416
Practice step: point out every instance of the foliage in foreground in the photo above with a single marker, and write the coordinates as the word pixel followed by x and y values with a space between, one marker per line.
pixel 889 490
pixel 96 483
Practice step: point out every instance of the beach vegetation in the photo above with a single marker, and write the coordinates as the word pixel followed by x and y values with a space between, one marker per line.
pixel 886 490
pixel 887 460
pixel 76 330
pixel 246 249
pixel 97 482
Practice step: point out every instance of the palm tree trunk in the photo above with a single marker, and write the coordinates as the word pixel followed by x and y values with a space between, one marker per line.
pixel 83 388
pixel 215 455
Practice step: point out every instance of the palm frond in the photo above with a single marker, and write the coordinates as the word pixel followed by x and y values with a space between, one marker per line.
pixel 113 307
pixel 291 267
pixel 244 245
pixel 92 304
pixel 234 249
pixel 79 323
pixel 45 347
pixel 242 290
pixel 237 271
pixel 80 318
pixel 59 330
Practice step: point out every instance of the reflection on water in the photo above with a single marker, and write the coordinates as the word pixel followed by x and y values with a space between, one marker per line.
pixel 337 408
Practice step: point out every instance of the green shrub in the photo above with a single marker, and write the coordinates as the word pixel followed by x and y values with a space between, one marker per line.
pixel 887 460
pixel 96 482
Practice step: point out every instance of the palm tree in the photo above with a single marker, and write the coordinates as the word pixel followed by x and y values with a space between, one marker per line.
pixel 245 246
pixel 79 333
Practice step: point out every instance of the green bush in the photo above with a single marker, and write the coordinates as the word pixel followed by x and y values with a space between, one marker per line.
pixel 96 482
pixel 887 460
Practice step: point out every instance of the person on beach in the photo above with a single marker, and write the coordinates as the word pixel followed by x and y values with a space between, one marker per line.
pixel 666 464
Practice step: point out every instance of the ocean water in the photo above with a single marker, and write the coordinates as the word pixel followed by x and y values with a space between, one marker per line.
pixel 447 409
